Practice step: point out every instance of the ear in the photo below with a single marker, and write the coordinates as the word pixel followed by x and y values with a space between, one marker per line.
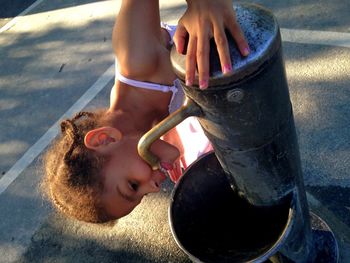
pixel 102 139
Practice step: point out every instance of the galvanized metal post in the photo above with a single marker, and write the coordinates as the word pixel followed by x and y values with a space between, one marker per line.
pixel 247 115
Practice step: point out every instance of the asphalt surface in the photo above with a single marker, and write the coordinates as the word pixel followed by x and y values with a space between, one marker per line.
pixel 52 55
pixel 10 8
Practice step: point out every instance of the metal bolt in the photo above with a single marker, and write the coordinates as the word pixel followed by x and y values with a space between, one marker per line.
pixel 235 95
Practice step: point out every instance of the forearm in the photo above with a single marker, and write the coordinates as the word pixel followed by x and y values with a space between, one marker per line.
pixel 136 26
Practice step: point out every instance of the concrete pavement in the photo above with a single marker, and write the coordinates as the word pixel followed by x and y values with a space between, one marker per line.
pixel 57 52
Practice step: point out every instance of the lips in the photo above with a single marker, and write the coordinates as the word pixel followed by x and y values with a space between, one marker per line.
pixel 163 174
pixel 166 166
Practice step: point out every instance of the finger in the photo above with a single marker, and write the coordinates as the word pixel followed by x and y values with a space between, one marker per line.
pixel 175 174
pixel 180 39
pixel 178 171
pixel 239 38
pixel 172 176
pixel 223 49
pixel 183 162
pixel 191 60
pixel 203 60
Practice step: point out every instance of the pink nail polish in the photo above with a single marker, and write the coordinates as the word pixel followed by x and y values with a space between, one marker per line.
pixel 227 68
pixel 203 84
pixel 246 51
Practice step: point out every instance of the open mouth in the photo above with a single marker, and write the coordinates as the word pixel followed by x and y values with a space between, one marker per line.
pixel 166 166
pixel 163 172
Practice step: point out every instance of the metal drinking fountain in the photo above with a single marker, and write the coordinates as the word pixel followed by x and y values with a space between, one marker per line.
pixel 245 202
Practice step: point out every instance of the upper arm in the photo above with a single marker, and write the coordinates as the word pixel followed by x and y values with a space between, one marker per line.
pixel 137 54
pixel 135 38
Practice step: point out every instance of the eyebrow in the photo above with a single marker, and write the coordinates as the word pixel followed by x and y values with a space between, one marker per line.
pixel 126 197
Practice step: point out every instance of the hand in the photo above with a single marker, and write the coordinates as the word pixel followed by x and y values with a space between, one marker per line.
pixel 173 138
pixel 176 173
pixel 203 20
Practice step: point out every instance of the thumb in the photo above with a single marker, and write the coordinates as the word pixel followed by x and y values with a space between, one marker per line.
pixel 180 38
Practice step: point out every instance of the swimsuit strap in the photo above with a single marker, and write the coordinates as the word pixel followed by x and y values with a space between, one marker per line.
pixel 177 96
pixel 154 86
pixel 143 84
pixel 149 85
pixel 176 89
pixel 171 30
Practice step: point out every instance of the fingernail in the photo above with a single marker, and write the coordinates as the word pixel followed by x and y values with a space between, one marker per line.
pixel 189 82
pixel 246 51
pixel 227 68
pixel 203 84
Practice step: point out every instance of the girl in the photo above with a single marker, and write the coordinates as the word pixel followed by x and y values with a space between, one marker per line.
pixel 93 171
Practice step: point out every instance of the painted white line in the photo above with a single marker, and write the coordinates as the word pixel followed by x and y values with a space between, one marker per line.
pixel 12 22
pixel 328 38
pixel 290 35
pixel 51 133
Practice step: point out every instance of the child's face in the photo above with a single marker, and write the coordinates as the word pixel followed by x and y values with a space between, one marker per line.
pixel 128 177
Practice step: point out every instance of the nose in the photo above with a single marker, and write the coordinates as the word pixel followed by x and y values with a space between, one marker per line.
pixel 152 185
pixel 149 181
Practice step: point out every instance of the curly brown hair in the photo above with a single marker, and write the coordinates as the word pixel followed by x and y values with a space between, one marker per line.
pixel 73 180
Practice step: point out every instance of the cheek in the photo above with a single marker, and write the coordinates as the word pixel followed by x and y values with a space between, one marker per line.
pixel 128 163
pixel 140 167
pixel 111 175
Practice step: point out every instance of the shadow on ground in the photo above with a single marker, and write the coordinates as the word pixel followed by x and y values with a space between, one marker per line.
pixel 142 236
pixel 42 74
pixel 337 199
pixel 11 8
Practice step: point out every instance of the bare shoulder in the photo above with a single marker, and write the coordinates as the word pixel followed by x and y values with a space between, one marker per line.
pixel 138 63
pixel 150 63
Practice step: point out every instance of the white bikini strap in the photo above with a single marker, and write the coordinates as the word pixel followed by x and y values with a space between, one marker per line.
pixel 143 84
pixel 171 30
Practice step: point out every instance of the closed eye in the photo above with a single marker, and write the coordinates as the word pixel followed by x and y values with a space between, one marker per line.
pixel 126 196
pixel 134 186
